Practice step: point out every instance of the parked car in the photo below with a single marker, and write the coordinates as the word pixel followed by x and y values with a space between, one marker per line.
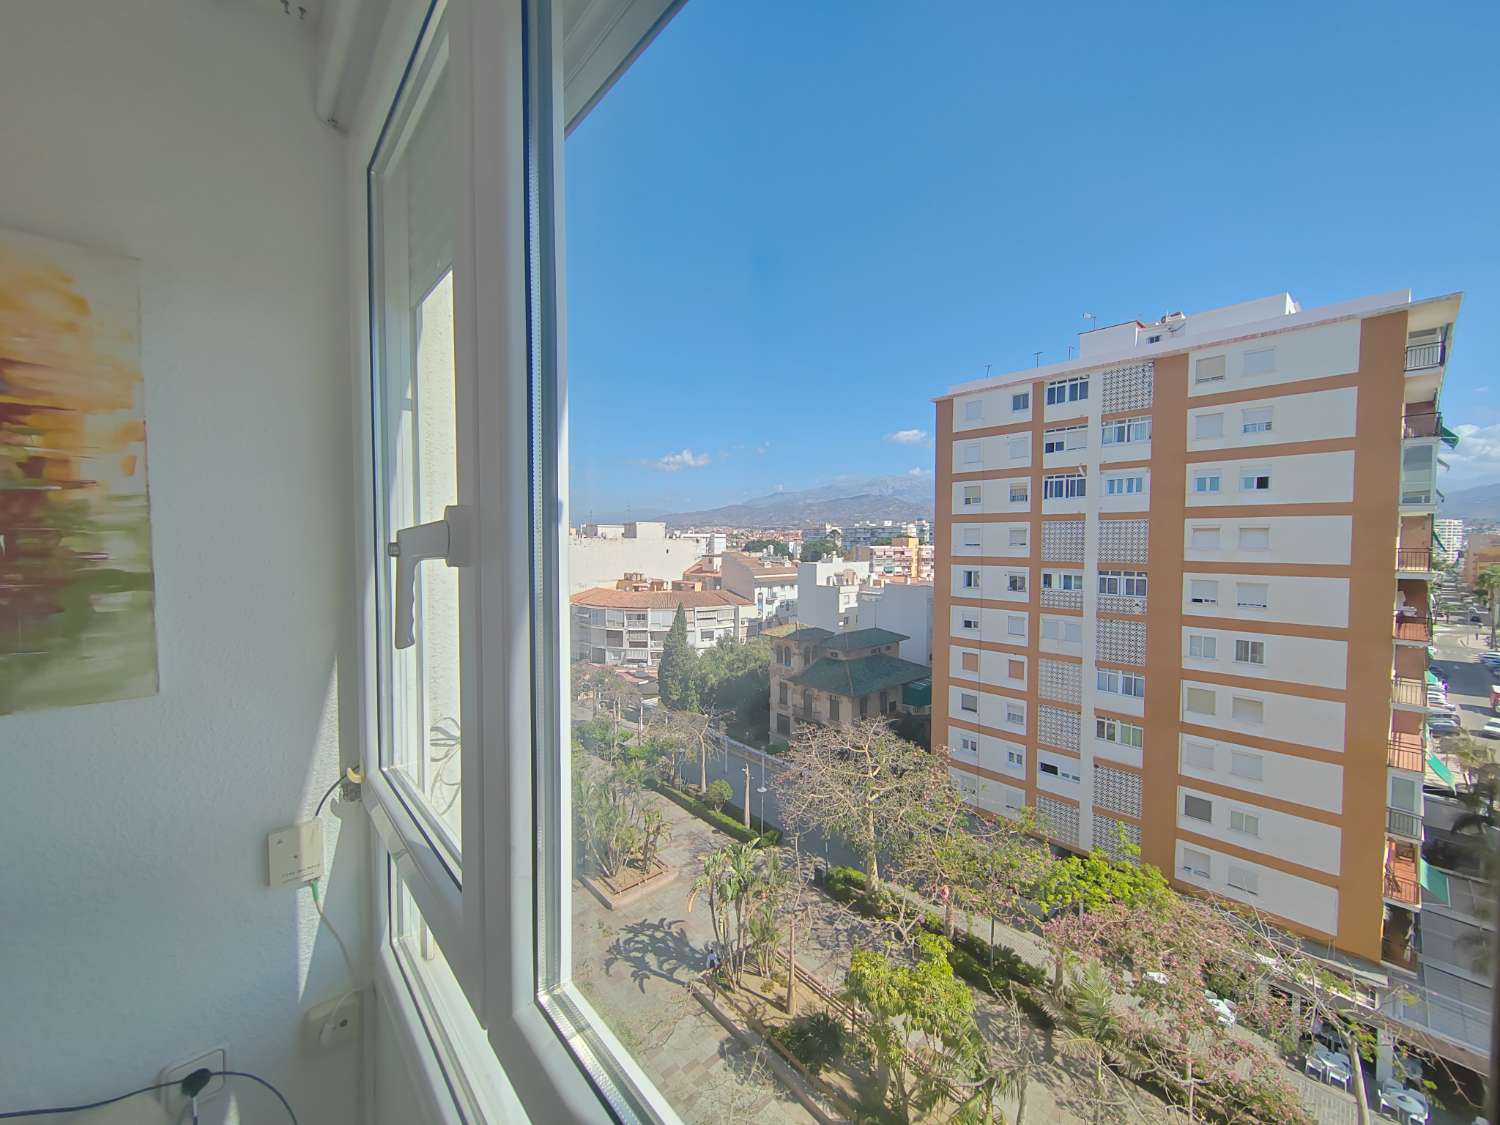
pixel 1443 724
pixel 1490 658
pixel 1491 729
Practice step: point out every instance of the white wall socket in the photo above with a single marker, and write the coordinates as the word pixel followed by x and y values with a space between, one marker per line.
pixel 172 1096
pixel 295 854
pixel 335 1022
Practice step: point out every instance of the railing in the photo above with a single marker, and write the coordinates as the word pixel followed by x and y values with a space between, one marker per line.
pixel 1413 558
pixel 1409 693
pixel 1419 357
pixel 1401 876
pixel 1413 628
pixel 1422 423
pixel 1404 752
pixel 1399 822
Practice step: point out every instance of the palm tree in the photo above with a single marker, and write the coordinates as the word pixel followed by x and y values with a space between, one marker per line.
pixel 1101 1037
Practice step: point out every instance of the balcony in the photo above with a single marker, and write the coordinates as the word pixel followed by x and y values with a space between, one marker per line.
pixel 1402 880
pixel 1415 628
pixel 1425 357
pixel 1408 693
pixel 1406 825
pixel 1405 752
pixel 1417 559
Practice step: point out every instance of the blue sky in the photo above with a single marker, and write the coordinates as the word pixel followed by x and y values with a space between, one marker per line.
pixel 791 224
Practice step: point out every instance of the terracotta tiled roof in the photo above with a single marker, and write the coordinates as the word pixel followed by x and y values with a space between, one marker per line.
pixel 604 598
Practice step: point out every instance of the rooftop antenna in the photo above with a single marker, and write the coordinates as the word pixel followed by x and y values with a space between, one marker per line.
pixel 1070 351
pixel 1038 357
pixel 987 367
pixel 1092 319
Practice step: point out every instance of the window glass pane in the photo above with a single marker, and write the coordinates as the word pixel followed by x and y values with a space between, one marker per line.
pixel 416 436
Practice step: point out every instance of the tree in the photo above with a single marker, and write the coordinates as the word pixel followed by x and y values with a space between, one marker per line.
pixel 919 1027
pixel 718 793
pixel 816 549
pixel 884 797
pixel 760 546
pixel 1095 880
pixel 729 880
pixel 1487 584
pixel 677 674
pixel 1010 1052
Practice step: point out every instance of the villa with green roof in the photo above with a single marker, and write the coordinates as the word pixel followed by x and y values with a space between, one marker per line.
pixel 828 678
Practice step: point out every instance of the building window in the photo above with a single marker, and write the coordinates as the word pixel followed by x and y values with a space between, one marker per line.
pixel 1262 361
pixel 1209 369
pixel 1249 766
pixel 1203 591
pixel 783 724
pixel 974 409
pixel 1241 821
pixel 1121 683
pixel 968 702
pixel 1205 484
pixel 1126 430
pixel 1015 757
pixel 1250 711
pixel 1074 389
pixel 1015 625
pixel 1255 538
pixel 972 536
pixel 1119 732
pixel 1249 652
pixel 1015 669
pixel 1130 583
pixel 1062 580
pixel 1197 808
pixel 1015 714
pixel 1202 647
pixel 969 661
pixel 1202 701
pixel 834 711
pixel 1204 539
pixel 1242 878
pixel 1020 492
pixel 1251 595
pixel 1015 583
pixel 968 744
pixel 1020 401
pixel 1065 438
pixel 1017 537
pixel 1255 480
pixel 1198 756
pixel 1131 485
pixel 971 580
pixel 969 624
pixel 971 495
pixel 1255 420
pixel 971 453
pixel 1206 427
pixel 781 694
pixel 1195 863
pixel 1064 486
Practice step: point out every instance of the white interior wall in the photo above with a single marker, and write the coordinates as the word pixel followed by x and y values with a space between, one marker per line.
pixel 139 926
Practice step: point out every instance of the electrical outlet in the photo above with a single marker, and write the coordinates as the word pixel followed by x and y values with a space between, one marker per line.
pixel 335 1022
pixel 214 1059
pixel 295 854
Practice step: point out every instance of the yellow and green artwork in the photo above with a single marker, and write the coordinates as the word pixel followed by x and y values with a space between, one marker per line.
pixel 77 598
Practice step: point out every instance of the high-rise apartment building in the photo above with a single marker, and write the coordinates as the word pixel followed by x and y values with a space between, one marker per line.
pixel 1447 539
pixel 1182 595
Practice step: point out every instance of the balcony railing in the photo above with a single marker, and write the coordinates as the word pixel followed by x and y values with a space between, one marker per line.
pixel 1399 822
pixel 1420 424
pixel 1413 627
pixel 1404 752
pixel 1419 357
pixel 1408 693
pixel 1413 558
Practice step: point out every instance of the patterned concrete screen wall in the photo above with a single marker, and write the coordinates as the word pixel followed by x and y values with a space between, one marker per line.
pixel 1126 388
pixel 1124 541
pixel 1057 727
pixel 1121 642
pixel 1062 540
pixel 1060 818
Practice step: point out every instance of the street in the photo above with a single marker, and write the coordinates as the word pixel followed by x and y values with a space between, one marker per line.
pixel 1469 682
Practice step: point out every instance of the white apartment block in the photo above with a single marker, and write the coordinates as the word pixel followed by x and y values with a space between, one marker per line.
pixel 1181 599
pixel 828 592
pixel 598 553
pixel 614 626
pixel 1447 539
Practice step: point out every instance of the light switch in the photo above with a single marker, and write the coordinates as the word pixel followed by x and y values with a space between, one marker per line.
pixel 296 854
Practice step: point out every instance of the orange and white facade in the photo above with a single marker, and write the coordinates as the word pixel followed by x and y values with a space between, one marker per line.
pixel 1181 600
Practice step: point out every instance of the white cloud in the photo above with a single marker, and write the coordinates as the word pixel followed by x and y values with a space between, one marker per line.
pixel 687 459
pixel 919 472
pixel 1475 461
pixel 907 437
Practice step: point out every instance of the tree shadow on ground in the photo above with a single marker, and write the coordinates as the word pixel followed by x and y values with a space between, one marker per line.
pixel 659 949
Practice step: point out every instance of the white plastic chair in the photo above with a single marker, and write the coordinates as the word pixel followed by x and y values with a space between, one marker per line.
pixel 1338 1072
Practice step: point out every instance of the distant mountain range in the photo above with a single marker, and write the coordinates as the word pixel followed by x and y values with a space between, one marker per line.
pixel 847 501
pixel 1479 503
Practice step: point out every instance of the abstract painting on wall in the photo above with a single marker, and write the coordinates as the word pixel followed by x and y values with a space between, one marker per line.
pixel 77 595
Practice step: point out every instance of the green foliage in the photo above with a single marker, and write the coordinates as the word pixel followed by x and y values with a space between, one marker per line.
pixel 731 673
pixel 759 546
pixel 598 735
pixel 677 674
pixel 817 549
pixel 1094 881
pixel 725 824
pixel 814 1040
pixel 718 794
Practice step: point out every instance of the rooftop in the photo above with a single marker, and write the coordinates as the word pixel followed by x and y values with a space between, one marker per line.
pixel 862 675
pixel 863 638
pixel 797 634
pixel 605 598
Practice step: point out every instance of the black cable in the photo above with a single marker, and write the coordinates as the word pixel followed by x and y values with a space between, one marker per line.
pixel 51 1110
pixel 328 793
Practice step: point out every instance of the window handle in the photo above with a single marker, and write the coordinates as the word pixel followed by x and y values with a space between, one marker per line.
pixel 445 539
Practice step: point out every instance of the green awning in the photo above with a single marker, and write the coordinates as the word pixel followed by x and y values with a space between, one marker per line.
pixel 1431 653
pixel 1433 881
pixel 1438 543
pixel 1433 680
pixel 1435 764
pixel 1449 438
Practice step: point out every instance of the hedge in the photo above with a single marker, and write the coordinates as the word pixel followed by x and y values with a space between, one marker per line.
pixel 720 820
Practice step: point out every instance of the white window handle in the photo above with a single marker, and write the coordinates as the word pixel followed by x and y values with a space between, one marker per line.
pixel 445 539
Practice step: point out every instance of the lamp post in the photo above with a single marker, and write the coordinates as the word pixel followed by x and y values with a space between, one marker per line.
pixel 747 794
